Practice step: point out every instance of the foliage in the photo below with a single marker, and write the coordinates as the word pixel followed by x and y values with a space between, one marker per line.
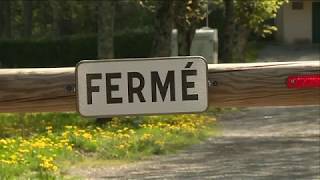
pixel 190 11
pixel 73 17
pixel 69 50
pixel 254 14
pixel 61 140
pixel 243 20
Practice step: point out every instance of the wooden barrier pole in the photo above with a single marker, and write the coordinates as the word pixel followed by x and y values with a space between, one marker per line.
pixel 261 84
pixel 232 85
pixel 37 90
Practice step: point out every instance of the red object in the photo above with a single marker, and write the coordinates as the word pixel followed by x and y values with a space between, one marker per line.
pixel 304 81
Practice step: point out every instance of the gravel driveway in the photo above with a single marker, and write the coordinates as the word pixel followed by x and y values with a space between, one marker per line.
pixel 256 143
pixel 276 52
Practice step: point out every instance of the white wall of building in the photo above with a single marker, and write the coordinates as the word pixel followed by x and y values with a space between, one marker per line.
pixel 295 26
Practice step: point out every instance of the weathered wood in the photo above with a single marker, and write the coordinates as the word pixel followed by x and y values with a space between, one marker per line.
pixel 37 90
pixel 234 85
pixel 261 84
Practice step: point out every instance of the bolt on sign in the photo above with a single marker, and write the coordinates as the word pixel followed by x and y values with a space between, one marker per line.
pixel 142 86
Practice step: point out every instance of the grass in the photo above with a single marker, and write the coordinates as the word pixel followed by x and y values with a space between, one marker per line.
pixel 44 145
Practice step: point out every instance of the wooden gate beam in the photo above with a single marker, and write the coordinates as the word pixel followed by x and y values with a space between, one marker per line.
pixel 37 90
pixel 231 85
pixel 261 84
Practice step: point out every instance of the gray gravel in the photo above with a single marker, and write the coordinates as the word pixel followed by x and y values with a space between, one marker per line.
pixel 276 52
pixel 256 143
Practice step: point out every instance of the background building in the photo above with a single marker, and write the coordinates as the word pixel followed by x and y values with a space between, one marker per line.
pixel 299 22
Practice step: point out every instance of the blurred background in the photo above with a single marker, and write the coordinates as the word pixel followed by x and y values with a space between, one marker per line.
pixel 55 33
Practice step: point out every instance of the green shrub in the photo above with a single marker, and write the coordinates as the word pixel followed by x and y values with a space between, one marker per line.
pixel 69 50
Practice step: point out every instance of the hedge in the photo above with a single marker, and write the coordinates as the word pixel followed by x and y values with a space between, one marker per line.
pixel 68 51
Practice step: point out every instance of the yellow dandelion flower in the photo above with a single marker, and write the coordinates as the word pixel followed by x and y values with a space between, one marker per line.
pixel 121 146
pixel 13 157
pixel 69 147
pixel 68 127
pixel 24 150
pixel 146 136
pixel 87 135
pixel 3 141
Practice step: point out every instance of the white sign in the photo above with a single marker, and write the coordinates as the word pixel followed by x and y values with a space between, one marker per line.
pixel 142 86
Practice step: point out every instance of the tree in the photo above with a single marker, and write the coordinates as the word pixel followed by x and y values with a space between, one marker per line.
pixel 1 18
pixel 61 18
pixel 27 18
pixel 185 15
pixel 188 14
pixel 106 12
pixel 242 18
pixel 163 28
pixel 228 31
pixel 65 18
pixel 105 29
pixel 55 18
pixel 5 19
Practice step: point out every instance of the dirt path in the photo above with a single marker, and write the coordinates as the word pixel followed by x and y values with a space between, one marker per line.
pixel 256 143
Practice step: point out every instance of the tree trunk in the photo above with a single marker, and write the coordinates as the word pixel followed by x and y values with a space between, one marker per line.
pixel 185 37
pixel 65 19
pixel 163 28
pixel 61 18
pixel 241 39
pixel 6 19
pixel 106 13
pixel 227 44
pixel 1 19
pixel 105 29
pixel 27 18
pixel 55 18
pixel 186 23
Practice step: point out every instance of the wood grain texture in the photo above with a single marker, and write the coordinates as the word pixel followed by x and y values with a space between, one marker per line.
pixel 261 84
pixel 37 90
pixel 235 85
